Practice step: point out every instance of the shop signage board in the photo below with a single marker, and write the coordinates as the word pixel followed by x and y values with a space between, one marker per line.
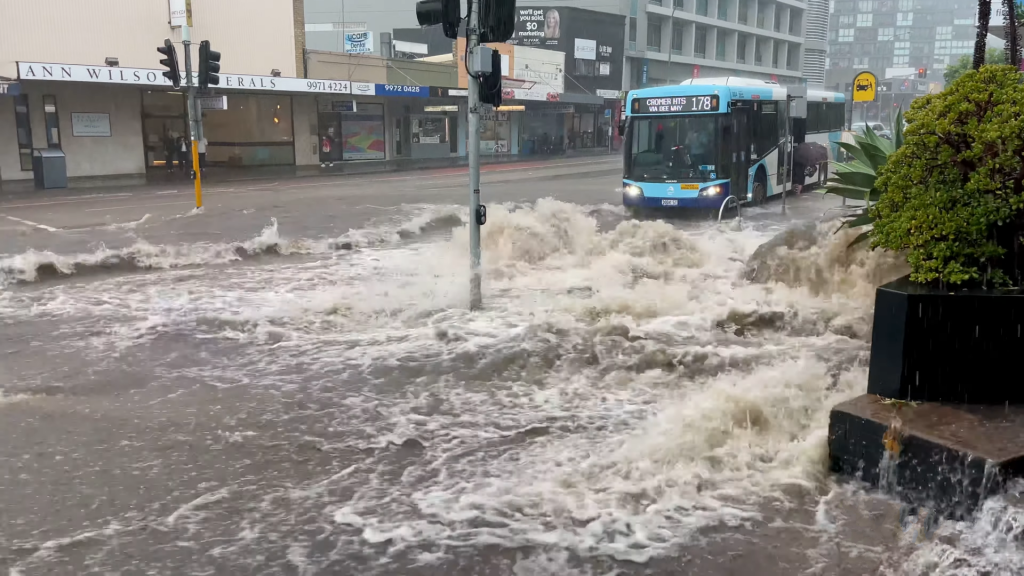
pixel 10 89
pixel 359 42
pixel 364 88
pixel 87 125
pixel 150 77
pixel 400 90
pixel 181 13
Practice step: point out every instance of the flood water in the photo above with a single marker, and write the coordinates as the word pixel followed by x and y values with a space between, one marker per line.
pixel 637 397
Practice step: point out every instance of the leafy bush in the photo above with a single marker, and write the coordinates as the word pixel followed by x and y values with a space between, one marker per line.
pixel 953 195
pixel 857 180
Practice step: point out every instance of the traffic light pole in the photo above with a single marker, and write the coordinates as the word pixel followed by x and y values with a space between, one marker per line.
pixel 193 129
pixel 472 41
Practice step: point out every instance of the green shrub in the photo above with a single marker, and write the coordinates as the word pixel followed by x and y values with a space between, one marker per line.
pixel 953 195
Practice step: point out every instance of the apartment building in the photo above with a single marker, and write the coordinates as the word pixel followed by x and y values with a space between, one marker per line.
pixel 895 38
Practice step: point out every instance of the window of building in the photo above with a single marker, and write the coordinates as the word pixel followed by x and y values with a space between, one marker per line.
pixel 744 12
pixel 900 60
pixel 700 41
pixel 720 47
pixel 843 6
pixel 865 6
pixel 863 19
pixel 633 8
pixel 861 62
pixel 653 35
pixel 23 125
pixel 655 2
pixel 847 20
pixel 52 121
pixel 968 21
pixel 944 33
pixel 723 10
pixel 903 34
pixel 632 34
pixel 702 8
pixel 865 35
pixel 775 55
pixel 905 19
pixel 584 67
pixel 677 40
pixel 906 5
pixel 846 35
pixel 741 49
pixel 795 19
pixel 901 49
pixel 678 4
pixel 884 34
pixel 257 130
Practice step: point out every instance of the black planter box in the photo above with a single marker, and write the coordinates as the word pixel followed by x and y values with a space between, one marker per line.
pixel 931 345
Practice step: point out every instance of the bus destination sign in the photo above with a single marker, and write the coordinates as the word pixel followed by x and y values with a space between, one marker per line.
pixel 676 104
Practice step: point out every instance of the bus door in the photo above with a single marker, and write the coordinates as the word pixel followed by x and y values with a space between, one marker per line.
pixel 740 137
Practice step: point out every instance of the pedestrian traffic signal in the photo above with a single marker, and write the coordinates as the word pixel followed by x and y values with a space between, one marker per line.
pixel 209 65
pixel 490 83
pixel 444 12
pixel 922 73
pixel 170 60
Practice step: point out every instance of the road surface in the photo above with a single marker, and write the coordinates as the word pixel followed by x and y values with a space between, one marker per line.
pixel 288 383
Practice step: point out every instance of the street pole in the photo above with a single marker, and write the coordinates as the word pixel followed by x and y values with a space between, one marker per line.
pixel 186 40
pixel 787 169
pixel 472 41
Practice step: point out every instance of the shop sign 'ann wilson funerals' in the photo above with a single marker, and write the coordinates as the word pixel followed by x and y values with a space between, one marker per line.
pixel 149 77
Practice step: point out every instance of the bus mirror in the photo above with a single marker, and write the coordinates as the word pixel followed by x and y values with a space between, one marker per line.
pixel 622 127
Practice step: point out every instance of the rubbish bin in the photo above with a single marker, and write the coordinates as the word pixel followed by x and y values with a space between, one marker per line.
pixel 49 166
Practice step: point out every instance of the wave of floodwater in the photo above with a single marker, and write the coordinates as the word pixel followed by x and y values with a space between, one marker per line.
pixel 626 393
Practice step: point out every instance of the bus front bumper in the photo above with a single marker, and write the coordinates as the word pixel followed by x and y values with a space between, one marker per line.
pixel 701 203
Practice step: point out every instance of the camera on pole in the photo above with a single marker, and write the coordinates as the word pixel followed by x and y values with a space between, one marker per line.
pixel 209 65
pixel 443 12
pixel 170 60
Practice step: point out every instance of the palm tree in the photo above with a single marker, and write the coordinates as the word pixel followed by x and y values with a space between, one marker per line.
pixel 1013 54
pixel 984 14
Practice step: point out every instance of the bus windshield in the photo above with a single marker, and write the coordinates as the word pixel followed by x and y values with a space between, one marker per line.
pixel 673 148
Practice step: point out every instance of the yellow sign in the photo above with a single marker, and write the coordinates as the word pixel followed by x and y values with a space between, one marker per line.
pixel 689 186
pixel 865 86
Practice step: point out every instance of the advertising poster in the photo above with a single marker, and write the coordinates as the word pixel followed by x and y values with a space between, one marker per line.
pixel 541 70
pixel 540 27
pixel 362 137
pixel 359 42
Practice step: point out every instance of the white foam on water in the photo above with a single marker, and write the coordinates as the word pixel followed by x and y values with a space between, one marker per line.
pixel 623 389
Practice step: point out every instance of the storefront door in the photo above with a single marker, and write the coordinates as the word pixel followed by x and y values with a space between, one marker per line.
pixel 163 116
pixel 329 127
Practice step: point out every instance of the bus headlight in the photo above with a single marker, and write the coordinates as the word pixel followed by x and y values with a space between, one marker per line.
pixel 632 190
pixel 710 191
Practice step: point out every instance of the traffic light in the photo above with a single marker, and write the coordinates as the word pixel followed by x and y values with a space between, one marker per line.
pixel 497 20
pixel 443 12
pixel 170 60
pixel 490 83
pixel 209 65
pixel 922 73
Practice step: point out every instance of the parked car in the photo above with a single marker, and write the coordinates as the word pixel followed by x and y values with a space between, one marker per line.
pixel 877 127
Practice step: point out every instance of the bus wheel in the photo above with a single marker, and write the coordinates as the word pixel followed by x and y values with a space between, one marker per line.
pixel 760 190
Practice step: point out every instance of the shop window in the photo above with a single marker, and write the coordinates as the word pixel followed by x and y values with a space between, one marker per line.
pixel 430 130
pixel 24 127
pixel 253 131
pixel 52 120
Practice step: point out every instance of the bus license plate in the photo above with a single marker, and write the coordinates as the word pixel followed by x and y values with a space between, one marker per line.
pixel 670 202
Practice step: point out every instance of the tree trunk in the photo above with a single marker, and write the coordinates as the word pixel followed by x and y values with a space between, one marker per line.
pixel 1013 53
pixel 984 15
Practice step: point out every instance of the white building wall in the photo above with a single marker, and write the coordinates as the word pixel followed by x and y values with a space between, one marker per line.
pixel 121 153
pixel 254 36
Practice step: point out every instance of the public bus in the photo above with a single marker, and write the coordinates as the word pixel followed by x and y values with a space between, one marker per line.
pixel 710 143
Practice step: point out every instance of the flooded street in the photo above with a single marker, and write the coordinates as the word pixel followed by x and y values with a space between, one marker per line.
pixel 636 397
